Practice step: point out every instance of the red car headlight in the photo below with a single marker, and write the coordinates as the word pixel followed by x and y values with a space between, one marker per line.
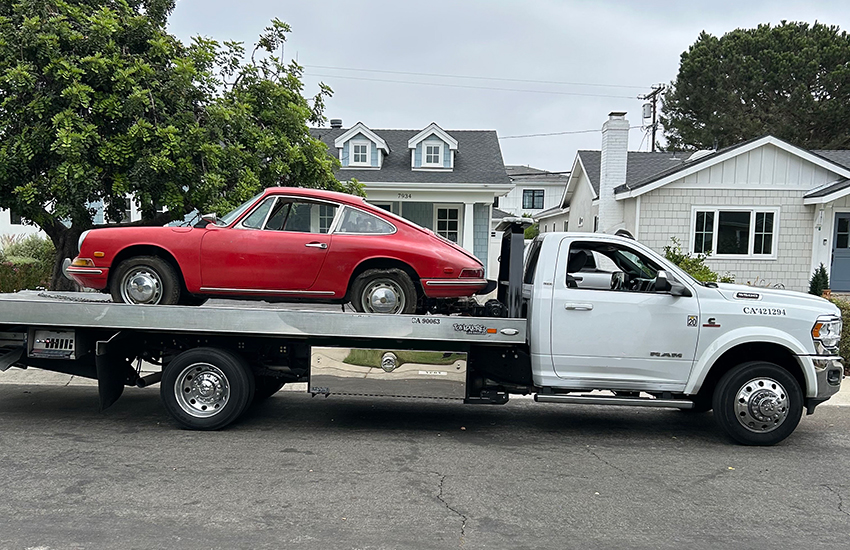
pixel 477 273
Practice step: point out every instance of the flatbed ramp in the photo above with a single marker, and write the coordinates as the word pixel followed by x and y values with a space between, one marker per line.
pixel 35 309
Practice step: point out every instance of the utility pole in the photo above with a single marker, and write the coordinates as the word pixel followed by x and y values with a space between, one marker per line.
pixel 653 97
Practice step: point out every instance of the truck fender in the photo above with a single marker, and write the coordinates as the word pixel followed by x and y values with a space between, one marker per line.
pixel 750 335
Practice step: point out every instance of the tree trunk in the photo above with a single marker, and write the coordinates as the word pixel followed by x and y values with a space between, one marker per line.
pixel 65 241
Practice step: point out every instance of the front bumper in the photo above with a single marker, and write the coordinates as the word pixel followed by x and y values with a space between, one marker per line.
pixel 89 277
pixel 829 371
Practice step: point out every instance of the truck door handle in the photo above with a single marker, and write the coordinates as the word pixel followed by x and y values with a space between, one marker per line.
pixel 323 246
pixel 578 307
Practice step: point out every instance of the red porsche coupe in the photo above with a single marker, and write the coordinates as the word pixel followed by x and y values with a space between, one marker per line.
pixel 283 244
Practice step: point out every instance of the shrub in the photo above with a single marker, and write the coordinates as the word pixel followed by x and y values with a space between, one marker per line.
pixel 531 231
pixel 819 281
pixel 694 265
pixel 25 263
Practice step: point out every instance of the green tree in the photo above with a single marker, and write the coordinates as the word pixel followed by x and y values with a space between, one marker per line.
pixel 791 81
pixel 98 102
pixel 819 281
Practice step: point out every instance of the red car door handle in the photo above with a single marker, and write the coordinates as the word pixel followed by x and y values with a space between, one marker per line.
pixel 317 245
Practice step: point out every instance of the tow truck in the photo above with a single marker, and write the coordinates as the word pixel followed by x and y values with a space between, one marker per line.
pixel 578 318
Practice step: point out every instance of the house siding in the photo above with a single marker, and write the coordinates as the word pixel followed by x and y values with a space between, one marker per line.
pixel 481 232
pixel 581 206
pixel 420 213
pixel 666 213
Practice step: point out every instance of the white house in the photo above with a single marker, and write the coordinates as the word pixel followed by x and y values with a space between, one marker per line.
pixel 444 180
pixel 766 211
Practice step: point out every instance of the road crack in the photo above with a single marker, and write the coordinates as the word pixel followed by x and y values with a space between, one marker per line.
pixel 449 507
pixel 591 452
pixel 840 499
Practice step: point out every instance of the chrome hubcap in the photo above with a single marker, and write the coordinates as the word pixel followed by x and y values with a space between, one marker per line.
pixel 202 390
pixel 383 296
pixel 761 405
pixel 141 286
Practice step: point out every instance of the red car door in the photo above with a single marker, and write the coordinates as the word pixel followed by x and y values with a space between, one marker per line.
pixel 278 247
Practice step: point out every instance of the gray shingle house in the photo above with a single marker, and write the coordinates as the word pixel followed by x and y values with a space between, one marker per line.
pixel 444 180
pixel 766 211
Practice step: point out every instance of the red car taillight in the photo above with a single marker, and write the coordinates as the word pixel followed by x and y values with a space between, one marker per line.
pixel 477 273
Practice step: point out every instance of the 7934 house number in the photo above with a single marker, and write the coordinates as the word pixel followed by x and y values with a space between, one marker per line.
pixel 405 195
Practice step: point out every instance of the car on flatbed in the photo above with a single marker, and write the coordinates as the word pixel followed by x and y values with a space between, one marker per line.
pixel 282 244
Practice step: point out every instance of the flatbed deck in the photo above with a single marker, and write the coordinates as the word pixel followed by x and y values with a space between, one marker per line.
pixel 37 309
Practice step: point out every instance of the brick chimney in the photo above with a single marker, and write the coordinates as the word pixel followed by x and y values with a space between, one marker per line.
pixel 612 173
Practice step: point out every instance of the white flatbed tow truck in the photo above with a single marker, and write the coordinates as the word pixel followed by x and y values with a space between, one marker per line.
pixel 634 330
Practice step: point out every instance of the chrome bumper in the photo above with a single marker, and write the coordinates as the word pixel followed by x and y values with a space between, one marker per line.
pixel 829 371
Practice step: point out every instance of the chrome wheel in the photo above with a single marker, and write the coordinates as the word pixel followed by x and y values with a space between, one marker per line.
pixel 761 405
pixel 141 285
pixel 383 295
pixel 202 390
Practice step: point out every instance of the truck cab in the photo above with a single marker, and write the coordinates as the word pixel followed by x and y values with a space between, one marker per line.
pixel 607 313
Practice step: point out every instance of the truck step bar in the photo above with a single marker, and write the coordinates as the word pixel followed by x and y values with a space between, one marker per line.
pixel 615 400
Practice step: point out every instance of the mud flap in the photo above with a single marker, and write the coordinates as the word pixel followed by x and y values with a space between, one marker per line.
pixel 114 371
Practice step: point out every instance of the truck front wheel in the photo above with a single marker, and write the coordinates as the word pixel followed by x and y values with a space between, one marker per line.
pixel 758 403
pixel 206 388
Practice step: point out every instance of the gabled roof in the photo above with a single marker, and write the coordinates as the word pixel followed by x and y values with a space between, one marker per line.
pixel 526 174
pixel 432 128
pixel 361 128
pixel 635 187
pixel 479 159
pixel 554 211
pixel 640 165
pixel 499 214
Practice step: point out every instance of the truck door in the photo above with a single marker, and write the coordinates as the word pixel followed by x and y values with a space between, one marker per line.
pixel 617 331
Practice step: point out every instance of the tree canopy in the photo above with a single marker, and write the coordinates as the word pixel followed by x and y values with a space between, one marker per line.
pixel 99 103
pixel 791 81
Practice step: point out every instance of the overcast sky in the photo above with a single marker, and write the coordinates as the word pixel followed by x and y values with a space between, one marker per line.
pixel 532 67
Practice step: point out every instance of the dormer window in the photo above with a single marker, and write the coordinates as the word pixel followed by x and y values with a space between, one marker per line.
pixel 433 154
pixel 360 154
pixel 432 149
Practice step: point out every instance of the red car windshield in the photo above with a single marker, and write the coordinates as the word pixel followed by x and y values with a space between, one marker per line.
pixel 233 215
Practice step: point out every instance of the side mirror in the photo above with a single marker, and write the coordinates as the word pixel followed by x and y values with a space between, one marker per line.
pixel 662 283
pixel 210 218
pixel 672 287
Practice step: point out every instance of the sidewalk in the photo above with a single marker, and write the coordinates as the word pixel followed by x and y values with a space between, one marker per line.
pixel 38 377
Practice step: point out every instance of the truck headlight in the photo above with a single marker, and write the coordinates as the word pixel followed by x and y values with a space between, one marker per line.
pixel 826 334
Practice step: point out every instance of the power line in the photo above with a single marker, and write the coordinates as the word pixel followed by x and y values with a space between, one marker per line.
pixel 560 133
pixel 471 77
pixel 470 87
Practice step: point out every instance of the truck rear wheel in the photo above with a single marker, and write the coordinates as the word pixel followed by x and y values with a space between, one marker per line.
pixel 758 403
pixel 206 388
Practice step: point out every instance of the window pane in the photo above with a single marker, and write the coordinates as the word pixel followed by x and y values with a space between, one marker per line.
pixel 356 221
pixel 304 217
pixel 767 246
pixel 452 236
pixel 704 233
pixel 255 219
pixel 453 214
pixel 278 216
pixel 844 225
pixel 733 233
pixel 841 240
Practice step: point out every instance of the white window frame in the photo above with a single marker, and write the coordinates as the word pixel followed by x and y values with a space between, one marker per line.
pixel 460 210
pixel 351 158
pixel 753 210
pixel 439 146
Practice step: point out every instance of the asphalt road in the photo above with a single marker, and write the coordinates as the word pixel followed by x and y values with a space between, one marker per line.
pixel 336 473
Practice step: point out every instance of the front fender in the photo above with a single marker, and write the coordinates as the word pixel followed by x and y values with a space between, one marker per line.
pixel 751 335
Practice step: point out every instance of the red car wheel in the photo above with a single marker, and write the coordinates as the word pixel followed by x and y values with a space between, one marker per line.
pixel 383 291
